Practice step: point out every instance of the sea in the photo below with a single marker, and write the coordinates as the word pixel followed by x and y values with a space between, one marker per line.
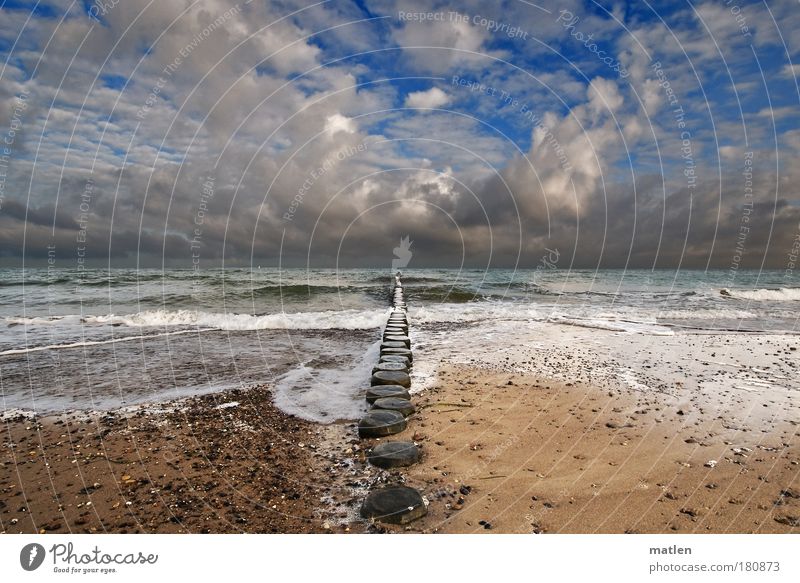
pixel 124 338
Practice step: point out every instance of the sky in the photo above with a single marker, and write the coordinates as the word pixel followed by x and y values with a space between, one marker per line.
pixel 213 133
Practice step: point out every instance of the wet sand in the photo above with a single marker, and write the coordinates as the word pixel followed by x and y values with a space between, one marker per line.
pixel 202 465
pixel 508 452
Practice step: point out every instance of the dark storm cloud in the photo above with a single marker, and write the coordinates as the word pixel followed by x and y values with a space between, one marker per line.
pixel 202 143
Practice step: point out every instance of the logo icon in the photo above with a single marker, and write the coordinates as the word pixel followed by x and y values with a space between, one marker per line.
pixel 31 556
pixel 402 253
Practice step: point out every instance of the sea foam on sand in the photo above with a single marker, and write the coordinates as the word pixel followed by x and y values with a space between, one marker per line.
pixel 712 367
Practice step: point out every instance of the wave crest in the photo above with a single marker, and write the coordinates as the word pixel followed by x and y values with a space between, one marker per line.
pixel 342 319
pixel 781 294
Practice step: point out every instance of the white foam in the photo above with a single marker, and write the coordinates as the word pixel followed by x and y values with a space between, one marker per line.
pixel 751 388
pixel 517 313
pixel 781 294
pixel 345 319
pixel 42 321
pixel 329 394
pixel 472 312
pixel 203 322
pixel 423 377
pixel 629 378
pixel 95 342
pixel 707 314
pixel 608 323
pixel 15 412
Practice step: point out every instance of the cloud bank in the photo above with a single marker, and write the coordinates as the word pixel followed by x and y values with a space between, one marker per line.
pixel 223 133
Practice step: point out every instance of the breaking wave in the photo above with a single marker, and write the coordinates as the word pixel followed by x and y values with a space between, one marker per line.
pixel 781 294
pixel 344 319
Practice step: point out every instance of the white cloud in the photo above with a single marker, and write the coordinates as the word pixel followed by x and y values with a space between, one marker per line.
pixel 338 123
pixel 249 100
pixel 604 96
pixel 433 97
pixel 439 46
pixel 790 71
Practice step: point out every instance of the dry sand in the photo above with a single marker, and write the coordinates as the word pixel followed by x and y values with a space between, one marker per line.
pixel 510 453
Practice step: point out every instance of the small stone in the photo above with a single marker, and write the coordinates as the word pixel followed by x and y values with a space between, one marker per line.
pixel 617 425
pixel 710 463
pixel 788 520
pixel 394 504
pixel 89 489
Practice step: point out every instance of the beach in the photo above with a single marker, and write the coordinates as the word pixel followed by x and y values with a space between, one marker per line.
pixel 228 462
pixel 561 404
pixel 508 453
pixel 702 438
pixel 422 269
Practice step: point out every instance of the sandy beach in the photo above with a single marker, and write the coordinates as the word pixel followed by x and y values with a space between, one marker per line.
pixel 508 453
pixel 505 449
pixel 552 428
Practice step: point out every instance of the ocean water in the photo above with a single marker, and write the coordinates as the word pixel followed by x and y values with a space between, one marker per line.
pixel 124 337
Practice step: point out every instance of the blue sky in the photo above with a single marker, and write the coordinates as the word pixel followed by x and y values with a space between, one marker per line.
pixel 562 132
